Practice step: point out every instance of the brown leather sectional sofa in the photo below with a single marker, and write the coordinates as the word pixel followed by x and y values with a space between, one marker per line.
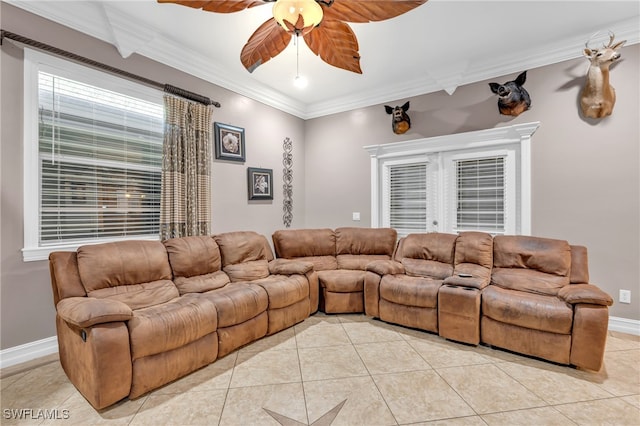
pixel 340 258
pixel 135 315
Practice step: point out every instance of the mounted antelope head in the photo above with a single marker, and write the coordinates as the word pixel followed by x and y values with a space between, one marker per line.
pixel 513 99
pixel 598 96
pixel 400 121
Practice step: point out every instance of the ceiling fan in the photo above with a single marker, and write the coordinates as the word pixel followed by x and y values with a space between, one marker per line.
pixel 322 24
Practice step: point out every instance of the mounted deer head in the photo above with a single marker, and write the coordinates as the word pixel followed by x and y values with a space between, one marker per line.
pixel 513 98
pixel 598 96
pixel 400 121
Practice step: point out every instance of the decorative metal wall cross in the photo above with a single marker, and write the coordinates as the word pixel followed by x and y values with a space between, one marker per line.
pixel 287 187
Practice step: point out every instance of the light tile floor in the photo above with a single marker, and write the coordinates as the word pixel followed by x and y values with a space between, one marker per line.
pixel 352 370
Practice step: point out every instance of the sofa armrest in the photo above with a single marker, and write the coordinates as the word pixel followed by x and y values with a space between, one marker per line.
pixel 289 267
pixel 385 267
pixel 87 311
pixel 584 293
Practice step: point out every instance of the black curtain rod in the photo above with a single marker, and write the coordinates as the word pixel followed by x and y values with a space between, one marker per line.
pixel 167 88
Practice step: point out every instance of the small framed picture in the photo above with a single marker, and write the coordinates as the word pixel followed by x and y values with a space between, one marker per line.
pixel 260 183
pixel 229 142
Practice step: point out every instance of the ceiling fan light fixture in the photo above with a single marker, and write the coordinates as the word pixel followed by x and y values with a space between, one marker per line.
pixel 297 16
pixel 300 82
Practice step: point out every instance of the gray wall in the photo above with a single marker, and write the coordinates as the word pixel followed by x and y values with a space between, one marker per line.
pixel 586 181
pixel 26 303
pixel 585 173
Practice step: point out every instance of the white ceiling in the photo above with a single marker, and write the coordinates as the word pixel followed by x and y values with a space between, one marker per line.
pixel 437 46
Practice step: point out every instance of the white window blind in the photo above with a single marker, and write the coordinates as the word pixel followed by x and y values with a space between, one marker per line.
pixel 408 198
pixel 100 157
pixel 480 194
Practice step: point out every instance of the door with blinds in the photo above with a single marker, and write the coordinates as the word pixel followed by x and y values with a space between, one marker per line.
pixel 453 191
pixel 409 195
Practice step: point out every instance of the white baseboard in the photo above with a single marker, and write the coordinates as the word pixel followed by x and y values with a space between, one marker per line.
pixel 27 352
pixel 30 351
pixel 624 325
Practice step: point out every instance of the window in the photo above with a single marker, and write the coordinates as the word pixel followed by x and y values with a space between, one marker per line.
pixel 476 181
pixel 93 156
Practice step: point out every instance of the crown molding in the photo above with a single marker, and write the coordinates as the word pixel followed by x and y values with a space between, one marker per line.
pixel 111 27
pixel 129 36
pixel 475 71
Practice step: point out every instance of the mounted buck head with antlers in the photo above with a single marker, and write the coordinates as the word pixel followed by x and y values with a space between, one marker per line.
pixel 598 96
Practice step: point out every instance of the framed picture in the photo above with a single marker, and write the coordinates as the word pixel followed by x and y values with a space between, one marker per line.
pixel 260 183
pixel 229 142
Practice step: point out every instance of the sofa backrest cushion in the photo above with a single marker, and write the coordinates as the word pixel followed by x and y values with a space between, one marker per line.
pixel 196 264
pixel 474 247
pixel 248 271
pixel 428 254
pixel 533 264
pixel 373 241
pixel 294 243
pixel 134 272
pixel 192 256
pixel 473 260
pixel 243 246
pixel 122 263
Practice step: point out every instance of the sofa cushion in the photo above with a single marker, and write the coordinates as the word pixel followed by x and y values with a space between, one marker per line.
pixel 534 311
pixel 293 243
pixel 358 261
pixel 532 264
pixel 173 324
pixel 426 268
pixel 238 302
pixel 436 246
pixel 201 283
pixel 122 263
pixel 284 290
pixel 541 254
pixel 410 291
pixel 528 280
pixel 366 241
pixel 247 271
pixel 475 248
pixel 138 296
pixel 244 246
pixel 193 256
pixel 342 280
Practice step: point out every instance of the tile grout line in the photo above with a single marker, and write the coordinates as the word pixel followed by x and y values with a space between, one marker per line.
pixel 304 392
pixel 370 375
pixel 226 393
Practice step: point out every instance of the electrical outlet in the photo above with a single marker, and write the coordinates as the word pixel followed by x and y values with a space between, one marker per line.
pixel 356 216
pixel 625 296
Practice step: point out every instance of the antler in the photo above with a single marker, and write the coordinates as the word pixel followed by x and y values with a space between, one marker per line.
pixel 612 36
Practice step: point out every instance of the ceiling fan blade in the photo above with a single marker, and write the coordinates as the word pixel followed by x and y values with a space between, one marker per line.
pixel 336 44
pixel 265 43
pixel 219 6
pixel 359 11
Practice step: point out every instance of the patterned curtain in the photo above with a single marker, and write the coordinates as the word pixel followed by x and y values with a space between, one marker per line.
pixel 185 206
